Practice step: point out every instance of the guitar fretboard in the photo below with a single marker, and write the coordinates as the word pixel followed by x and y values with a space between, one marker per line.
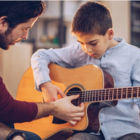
pixel 110 94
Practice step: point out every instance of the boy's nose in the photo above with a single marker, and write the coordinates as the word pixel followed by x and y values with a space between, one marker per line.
pixel 88 49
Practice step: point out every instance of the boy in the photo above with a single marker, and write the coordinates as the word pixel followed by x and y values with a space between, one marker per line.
pixel 92 25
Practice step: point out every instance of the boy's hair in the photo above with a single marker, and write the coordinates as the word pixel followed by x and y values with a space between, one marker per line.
pixel 91 18
pixel 17 12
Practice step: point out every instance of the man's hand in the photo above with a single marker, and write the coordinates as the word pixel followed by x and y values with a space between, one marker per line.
pixel 50 92
pixel 65 110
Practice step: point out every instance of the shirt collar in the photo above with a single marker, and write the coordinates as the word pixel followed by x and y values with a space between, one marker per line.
pixel 121 43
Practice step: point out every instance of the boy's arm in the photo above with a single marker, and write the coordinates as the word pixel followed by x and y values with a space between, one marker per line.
pixel 65 57
pixel 136 77
pixel 43 57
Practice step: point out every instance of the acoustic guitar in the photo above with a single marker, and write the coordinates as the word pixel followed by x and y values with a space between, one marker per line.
pixel 96 90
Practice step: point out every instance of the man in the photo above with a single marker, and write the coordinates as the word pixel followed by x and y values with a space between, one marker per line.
pixel 16 18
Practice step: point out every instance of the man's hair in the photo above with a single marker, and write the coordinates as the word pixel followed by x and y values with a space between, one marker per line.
pixel 91 18
pixel 17 12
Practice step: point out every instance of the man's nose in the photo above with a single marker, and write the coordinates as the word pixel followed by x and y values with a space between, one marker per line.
pixel 25 35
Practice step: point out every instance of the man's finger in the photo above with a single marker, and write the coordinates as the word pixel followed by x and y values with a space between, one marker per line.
pixel 72 97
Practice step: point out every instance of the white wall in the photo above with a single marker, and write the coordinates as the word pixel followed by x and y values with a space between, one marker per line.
pixel 13 63
pixel 120 11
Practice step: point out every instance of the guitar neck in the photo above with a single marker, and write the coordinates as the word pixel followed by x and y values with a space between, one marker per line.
pixel 110 94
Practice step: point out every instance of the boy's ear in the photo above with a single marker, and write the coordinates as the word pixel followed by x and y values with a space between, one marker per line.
pixel 110 33
pixel 3 24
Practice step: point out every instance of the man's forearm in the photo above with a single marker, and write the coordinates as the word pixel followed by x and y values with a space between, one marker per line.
pixel 44 110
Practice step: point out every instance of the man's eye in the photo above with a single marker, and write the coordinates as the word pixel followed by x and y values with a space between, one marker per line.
pixel 25 29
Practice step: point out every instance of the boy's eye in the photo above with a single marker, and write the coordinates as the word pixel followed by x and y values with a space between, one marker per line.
pixel 93 44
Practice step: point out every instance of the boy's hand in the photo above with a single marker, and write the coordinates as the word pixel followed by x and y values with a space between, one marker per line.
pixel 65 110
pixel 50 92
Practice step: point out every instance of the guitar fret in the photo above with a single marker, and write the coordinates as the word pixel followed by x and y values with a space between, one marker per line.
pixel 138 91
pixel 116 93
pixel 88 96
pixel 101 93
pixel 104 97
pixel 135 92
pixel 95 96
pixel 92 96
pixel 126 93
pixel 113 94
pixel 105 93
pixel 107 96
pixel 84 95
pixel 119 93
pixel 129 92
pixel 132 93
pixel 110 96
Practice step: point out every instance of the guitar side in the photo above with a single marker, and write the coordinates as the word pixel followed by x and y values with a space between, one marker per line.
pixel 83 78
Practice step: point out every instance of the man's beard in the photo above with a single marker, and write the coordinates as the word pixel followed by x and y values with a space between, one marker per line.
pixel 4 43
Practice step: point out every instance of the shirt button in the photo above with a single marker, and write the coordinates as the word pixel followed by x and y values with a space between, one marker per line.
pixel 101 123
pixel 104 55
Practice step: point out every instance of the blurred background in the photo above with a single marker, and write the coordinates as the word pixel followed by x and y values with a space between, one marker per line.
pixel 52 30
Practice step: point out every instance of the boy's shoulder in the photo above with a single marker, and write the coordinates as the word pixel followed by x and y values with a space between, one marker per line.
pixel 132 47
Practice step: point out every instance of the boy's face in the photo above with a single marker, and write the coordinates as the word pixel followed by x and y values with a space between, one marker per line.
pixel 94 45
pixel 9 36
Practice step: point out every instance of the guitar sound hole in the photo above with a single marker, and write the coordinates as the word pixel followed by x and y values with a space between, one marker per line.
pixel 75 102
pixel 75 91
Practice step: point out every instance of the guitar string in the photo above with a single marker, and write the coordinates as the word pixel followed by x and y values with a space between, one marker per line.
pixel 97 99
pixel 102 97
pixel 106 91
pixel 103 93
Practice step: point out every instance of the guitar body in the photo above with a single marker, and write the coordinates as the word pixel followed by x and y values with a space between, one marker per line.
pixel 87 77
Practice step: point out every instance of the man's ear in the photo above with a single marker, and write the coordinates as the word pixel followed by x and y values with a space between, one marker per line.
pixel 110 33
pixel 3 24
